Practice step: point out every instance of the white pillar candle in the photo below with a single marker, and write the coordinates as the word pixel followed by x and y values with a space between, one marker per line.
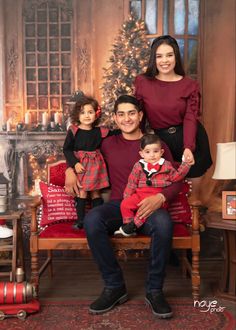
pixel 56 117
pixel 8 125
pixel 27 118
pixel 45 119
pixel 3 204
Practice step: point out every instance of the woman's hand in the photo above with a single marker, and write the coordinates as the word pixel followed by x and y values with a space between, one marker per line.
pixel 150 204
pixel 72 185
pixel 188 157
pixel 79 168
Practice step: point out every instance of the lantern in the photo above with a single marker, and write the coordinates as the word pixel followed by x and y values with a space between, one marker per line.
pixel 3 193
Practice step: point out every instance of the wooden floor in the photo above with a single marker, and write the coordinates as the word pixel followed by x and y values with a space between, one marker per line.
pixel 77 277
pixel 80 279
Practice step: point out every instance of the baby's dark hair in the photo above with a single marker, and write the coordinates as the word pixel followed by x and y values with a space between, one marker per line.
pixel 149 139
pixel 79 105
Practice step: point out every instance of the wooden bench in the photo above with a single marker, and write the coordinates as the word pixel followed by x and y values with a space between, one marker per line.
pixel 48 242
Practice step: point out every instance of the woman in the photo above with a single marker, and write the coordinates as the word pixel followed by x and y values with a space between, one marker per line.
pixel 171 103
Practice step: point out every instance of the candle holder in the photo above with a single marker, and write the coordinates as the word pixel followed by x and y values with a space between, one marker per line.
pixel 58 128
pixel 20 127
pixel 4 127
pixel 44 128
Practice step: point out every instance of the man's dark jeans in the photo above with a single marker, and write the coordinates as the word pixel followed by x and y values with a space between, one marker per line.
pixel 103 220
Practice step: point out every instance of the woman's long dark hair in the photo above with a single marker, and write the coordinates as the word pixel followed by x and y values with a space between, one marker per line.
pixel 152 71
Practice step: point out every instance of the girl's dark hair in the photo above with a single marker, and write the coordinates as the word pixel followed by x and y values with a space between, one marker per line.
pixel 127 99
pixel 149 139
pixel 152 71
pixel 79 105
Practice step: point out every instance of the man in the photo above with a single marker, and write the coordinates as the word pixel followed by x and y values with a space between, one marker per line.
pixel 120 153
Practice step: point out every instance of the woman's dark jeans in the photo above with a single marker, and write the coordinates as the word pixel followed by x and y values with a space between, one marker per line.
pixel 103 220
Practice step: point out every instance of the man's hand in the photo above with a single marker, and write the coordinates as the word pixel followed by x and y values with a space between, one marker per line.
pixel 150 204
pixel 71 183
pixel 79 168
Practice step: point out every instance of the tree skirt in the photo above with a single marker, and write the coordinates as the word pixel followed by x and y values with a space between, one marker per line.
pixel 131 315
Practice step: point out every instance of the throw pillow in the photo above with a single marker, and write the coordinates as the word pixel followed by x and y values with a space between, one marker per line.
pixel 57 174
pixel 57 206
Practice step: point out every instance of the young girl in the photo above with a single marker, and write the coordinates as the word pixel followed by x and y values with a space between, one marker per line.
pixel 81 150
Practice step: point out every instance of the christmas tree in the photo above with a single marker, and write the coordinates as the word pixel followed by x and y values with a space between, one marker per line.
pixel 129 58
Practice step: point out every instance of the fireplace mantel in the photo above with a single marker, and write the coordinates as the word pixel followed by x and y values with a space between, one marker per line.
pixel 35 136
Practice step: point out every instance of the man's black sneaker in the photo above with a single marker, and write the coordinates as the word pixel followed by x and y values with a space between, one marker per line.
pixel 127 230
pixel 108 299
pixel 159 305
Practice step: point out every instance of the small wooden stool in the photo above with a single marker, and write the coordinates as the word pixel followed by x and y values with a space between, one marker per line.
pixel 13 244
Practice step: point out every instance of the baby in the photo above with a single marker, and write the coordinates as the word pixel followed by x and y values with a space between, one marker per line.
pixel 148 177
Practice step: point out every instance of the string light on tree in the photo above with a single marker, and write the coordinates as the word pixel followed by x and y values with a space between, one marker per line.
pixel 39 170
pixel 129 58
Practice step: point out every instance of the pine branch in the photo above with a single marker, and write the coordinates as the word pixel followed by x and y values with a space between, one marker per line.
pixel 129 58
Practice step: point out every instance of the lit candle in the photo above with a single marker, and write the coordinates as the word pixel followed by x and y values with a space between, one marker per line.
pixel 3 204
pixel 27 118
pixel 8 124
pixel 45 119
pixel 56 118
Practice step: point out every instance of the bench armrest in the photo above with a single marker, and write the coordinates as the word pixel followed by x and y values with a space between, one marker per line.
pixel 34 207
pixel 195 218
pixel 36 202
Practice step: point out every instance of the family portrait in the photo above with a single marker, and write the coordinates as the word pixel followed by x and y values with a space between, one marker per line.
pixel 117 180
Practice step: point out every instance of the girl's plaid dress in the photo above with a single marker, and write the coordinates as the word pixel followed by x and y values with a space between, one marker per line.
pixel 83 146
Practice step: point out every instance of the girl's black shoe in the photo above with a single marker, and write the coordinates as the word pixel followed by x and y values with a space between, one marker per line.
pixel 78 225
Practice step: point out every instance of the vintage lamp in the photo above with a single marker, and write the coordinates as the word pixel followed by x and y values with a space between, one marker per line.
pixel 225 169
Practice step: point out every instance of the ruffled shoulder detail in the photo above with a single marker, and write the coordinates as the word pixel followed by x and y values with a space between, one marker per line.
pixel 193 95
pixel 104 131
pixel 194 102
pixel 74 129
